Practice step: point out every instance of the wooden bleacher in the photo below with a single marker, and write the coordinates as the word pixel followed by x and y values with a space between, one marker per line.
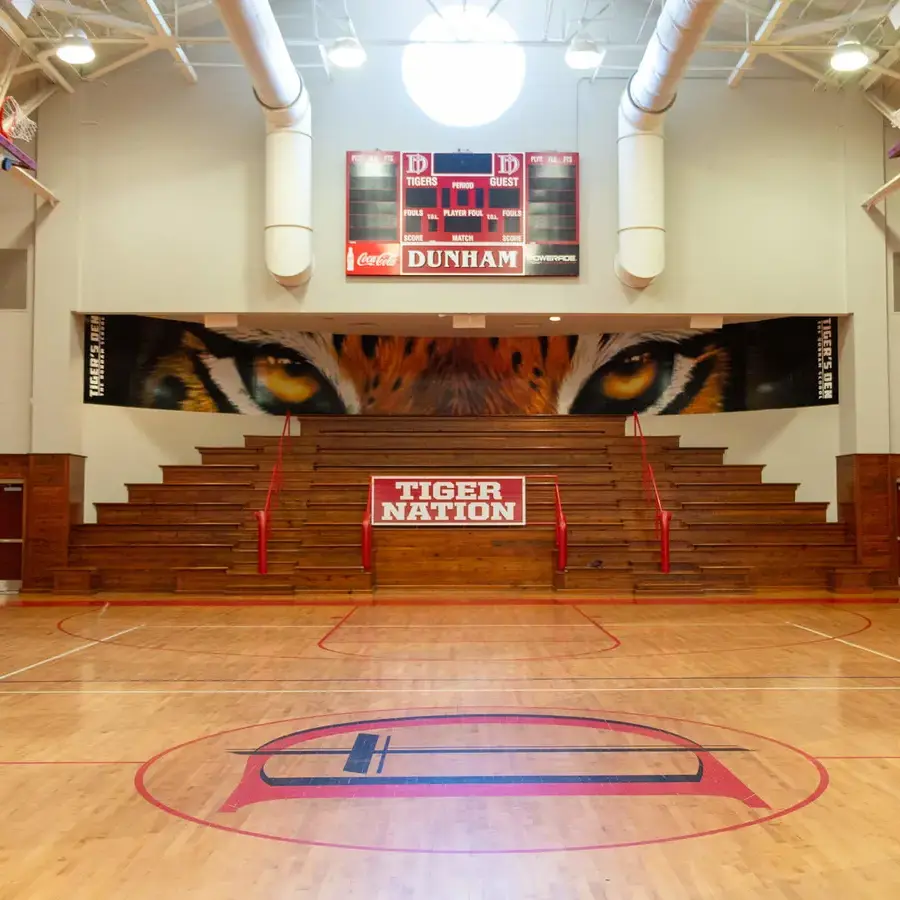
pixel 196 532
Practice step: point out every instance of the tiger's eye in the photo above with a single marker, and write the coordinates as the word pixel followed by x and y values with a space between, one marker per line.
pixel 275 376
pixel 631 378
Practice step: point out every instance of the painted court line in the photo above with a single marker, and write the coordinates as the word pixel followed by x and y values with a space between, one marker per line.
pixel 683 625
pixel 369 627
pixel 50 659
pixel 848 643
pixel 499 690
pixel 497 679
pixel 858 757
pixel 70 762
pixel 508 625
pixel 208 627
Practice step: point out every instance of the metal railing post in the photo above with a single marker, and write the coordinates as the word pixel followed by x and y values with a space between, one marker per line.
pixel 665 517
pixel 264 516
pixel 367 533
pixel 262 542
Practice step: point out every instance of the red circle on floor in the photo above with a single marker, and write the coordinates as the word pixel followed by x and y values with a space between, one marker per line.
pixel 494 780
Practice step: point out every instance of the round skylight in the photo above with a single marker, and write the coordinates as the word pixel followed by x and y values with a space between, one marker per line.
pixel 463 67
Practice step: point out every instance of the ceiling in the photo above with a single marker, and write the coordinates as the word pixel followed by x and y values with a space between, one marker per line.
pixel 431 325
pixel 749 38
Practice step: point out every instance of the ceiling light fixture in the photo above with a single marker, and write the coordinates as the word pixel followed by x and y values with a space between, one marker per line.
pixel 347 53
pixel 463 65
pixel 852 56
pixel 555 318
pixel 75 48
pixel 583 53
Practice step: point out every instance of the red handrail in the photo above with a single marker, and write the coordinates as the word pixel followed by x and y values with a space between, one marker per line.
pixel 367 533
pixel 264 515
pixel 562 531
pixel 663 516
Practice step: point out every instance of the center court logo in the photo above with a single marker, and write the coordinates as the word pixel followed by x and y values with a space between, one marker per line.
pixel 476 781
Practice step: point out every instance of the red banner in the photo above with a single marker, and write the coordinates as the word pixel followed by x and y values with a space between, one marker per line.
pixel 481 500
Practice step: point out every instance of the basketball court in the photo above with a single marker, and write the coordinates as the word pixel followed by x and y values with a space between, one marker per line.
pixel 482 751
pixel 446 450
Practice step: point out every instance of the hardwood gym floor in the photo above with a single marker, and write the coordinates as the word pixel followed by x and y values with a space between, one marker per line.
pixel 454 752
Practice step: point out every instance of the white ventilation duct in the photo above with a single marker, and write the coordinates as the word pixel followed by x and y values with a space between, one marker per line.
pixel 681 27
pixel 285 102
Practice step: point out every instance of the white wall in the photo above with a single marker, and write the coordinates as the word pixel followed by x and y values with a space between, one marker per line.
pixel 15 378
pixel 864 339
pixel 127 446
pixel 166 194
pixel 17 212
pixel 797 446
pixel 162 190
pixel 887 216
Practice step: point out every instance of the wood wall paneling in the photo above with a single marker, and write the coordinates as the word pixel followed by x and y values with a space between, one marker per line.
pixel 731 531
pixel 866 504
pixel 54 501
pixel 13 466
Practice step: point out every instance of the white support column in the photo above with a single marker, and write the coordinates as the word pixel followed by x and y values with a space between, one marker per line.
pixel 865 413
pixel 887 216
pixel 650 93
pixel 57 357
pixel 280 91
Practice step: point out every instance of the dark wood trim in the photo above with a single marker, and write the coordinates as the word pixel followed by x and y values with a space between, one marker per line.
pixel 866 494
pixel 54 502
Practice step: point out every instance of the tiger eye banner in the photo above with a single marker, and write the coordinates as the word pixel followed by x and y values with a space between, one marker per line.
pixel 164 364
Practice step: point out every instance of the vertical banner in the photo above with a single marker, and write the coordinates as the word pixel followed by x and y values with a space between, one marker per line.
pixel 95 359
pixel 827 383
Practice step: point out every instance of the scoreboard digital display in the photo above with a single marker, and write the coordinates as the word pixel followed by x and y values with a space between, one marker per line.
pixel 462 213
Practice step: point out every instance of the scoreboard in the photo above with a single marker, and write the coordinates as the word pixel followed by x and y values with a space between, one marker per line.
pixel 462 213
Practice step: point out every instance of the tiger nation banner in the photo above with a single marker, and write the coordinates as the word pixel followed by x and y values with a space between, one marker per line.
pixel 448 501
pixel 153 363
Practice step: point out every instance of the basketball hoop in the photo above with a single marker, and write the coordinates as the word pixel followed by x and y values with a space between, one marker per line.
pixel 14 123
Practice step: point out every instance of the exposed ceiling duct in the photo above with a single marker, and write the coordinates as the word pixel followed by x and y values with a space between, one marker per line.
pixel 281 93
pixel 650 93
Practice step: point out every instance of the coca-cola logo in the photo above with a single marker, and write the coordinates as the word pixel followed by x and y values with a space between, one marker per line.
pixel 381 260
